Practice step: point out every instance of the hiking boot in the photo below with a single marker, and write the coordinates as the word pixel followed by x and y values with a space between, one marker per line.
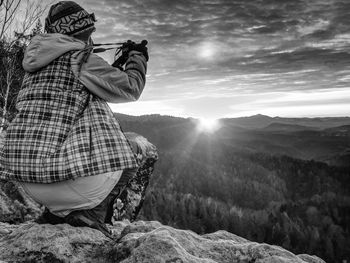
pixel 87 218
pixel 48 218
pixel 113 196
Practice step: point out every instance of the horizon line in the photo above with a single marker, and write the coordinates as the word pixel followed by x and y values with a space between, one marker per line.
pixel 237 117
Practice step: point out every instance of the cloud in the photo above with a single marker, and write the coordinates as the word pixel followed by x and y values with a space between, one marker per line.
pixel 219 48
pixel 148 107
pixel 330 102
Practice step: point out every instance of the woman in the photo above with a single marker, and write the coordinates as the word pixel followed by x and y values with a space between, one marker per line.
pixel 64 146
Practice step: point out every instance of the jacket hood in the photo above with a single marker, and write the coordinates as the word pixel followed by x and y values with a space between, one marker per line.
pixel 45 48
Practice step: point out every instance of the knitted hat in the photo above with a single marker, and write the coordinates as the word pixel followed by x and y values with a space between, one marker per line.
pixel 67 17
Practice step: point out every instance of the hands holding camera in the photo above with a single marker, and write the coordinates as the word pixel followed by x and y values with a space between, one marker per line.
pixel 129 46
pixel 141 47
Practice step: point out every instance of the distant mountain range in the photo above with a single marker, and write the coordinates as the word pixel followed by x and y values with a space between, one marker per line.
pixel 261 121
pixel 320 139
pixel 258 121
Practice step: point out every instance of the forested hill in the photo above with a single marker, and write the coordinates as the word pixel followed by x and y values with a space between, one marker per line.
pixel 269 185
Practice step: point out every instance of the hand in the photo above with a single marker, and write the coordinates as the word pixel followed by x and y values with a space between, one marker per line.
pixel 127 48
pixel 141 48
pixel 120 61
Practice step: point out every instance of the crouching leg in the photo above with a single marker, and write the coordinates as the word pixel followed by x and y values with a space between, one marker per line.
pixel 130 192
pixel 124 201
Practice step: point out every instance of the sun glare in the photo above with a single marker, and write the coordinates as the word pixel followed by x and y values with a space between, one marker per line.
pixel 206 50
pixel 208 125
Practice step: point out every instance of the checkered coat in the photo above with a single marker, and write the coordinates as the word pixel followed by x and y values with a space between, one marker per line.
pixel 62 130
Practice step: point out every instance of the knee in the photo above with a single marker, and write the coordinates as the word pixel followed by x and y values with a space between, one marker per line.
pixel 141 146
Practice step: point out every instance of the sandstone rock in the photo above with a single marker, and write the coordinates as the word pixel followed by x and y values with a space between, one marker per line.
pixel 141 241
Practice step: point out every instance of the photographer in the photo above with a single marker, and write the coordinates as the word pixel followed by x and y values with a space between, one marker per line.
pixel 64 146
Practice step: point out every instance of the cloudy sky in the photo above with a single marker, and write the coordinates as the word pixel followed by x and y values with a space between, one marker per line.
pixel 229 58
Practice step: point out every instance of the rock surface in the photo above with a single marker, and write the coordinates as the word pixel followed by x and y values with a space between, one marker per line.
pixel 142 241
pixel 15 205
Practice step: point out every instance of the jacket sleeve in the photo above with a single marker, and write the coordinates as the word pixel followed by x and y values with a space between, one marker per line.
pixel 109 83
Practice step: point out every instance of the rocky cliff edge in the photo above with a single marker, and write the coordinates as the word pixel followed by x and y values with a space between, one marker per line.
pixel 141 241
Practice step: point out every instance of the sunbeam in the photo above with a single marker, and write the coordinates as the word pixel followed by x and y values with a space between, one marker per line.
pixel 208 125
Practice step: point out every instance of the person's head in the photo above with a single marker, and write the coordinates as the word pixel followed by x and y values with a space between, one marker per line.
pixel 69 18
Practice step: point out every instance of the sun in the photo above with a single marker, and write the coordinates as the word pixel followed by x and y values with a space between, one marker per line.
pixel 206 50
pixel 208 125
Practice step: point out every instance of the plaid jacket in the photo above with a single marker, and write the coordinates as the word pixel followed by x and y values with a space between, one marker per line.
pixel 62 131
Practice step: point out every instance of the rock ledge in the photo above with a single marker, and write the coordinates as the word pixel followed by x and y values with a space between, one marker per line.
pixel 142 241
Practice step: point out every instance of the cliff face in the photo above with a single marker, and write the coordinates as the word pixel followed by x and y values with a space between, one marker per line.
pixel 142 241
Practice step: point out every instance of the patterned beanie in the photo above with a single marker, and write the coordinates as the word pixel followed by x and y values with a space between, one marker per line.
pixel 69 18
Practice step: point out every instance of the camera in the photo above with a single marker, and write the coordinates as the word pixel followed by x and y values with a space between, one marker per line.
pixel 124 48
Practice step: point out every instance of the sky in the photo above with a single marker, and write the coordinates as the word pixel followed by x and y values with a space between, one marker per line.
pixel 231 58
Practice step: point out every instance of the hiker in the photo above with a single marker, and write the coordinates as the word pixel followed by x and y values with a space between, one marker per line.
pixel 65 147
